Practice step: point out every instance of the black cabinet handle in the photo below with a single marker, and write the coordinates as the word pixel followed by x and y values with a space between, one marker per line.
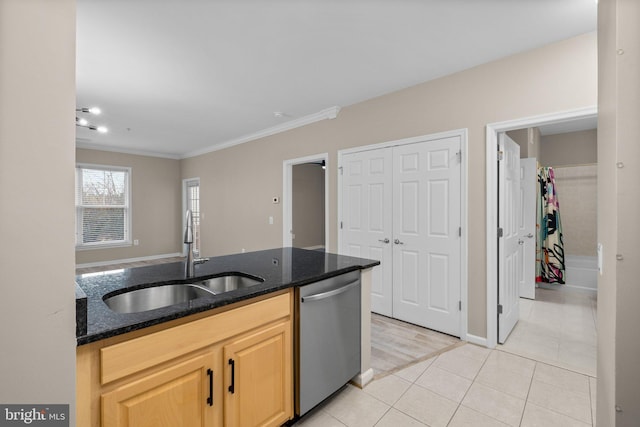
pixel 232 387
pixel 210 398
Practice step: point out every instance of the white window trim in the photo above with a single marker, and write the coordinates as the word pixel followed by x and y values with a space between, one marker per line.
pixel 185 184
pixel 129 229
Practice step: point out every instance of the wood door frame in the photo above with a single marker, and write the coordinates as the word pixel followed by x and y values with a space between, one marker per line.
pixel 464 197
pixel 287 196
pixel 492 202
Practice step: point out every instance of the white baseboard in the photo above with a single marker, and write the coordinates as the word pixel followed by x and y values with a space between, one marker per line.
pixel 582 288
pixel 474 339
pixel 123 261
pixel 363 378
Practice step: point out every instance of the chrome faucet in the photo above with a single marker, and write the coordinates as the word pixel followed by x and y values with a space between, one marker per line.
pixel 190 262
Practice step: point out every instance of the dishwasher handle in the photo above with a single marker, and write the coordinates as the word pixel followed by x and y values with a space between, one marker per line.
pixel 329 294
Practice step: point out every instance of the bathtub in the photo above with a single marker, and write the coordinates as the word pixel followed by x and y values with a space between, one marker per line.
pixel 581 271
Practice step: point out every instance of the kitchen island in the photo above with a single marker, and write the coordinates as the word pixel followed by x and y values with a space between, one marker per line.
pixel 134 364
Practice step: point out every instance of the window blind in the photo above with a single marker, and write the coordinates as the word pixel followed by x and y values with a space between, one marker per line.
pixel 102 205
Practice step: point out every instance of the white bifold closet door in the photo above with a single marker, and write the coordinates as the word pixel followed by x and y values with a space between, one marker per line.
pixel 401 205
pixel 367 218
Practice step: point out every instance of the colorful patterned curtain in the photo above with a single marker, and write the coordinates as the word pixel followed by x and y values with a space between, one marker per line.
pixel 549 246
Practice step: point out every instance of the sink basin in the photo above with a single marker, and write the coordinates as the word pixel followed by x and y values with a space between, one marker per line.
pixel 154 297
pixel 227 283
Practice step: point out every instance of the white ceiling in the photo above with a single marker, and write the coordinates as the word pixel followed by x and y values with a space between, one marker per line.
pixel 575 125
pixel 180 77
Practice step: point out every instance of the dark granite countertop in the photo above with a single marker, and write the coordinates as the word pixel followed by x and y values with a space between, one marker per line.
pixel 280 268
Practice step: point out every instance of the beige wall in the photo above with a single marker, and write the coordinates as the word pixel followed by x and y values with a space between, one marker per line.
pixel 577 194
pixel 238 182
pixel 572 148
pixel 607 213
pixel 308 205
pixel 618 213
pixel 521 137
pixel 37 102
pixel 577 186
pixel 156 192
pixel 529 141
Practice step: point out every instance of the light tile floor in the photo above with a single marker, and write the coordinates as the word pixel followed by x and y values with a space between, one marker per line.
pixel 558 328
pixel 468 386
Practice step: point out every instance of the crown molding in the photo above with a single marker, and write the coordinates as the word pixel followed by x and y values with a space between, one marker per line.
pixel 326 114
pixel 89 146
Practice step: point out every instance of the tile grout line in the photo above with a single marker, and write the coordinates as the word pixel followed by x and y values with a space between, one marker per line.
pixel 431 355
pixel 526 400
pixel 471 385
pixel 593 421
pixel 560 413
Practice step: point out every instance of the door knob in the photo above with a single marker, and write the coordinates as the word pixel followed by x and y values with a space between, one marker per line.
pixel 384 241
pixel 521 242
pixel 398 242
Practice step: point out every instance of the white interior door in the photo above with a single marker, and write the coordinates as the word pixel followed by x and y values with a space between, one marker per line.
pixel 509 243
pixel 367 224
pixel 527 227
pixel 426 224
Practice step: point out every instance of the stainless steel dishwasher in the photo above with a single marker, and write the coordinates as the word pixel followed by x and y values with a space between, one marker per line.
pixel 327 338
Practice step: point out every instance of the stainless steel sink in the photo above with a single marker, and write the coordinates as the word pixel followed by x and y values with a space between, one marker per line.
pixel 165 295
pixel 227 283
pixel 154 297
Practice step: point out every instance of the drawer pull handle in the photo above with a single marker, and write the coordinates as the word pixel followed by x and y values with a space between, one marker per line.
pixel 232 387
pixel 331 293
pixel 210 398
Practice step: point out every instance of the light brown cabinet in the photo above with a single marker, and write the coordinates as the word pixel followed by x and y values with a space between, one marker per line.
pixel 172 396
pixel 259 366
pixel 231 368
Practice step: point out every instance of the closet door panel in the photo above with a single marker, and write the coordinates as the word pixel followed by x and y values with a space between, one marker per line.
pixel 367 220
pixel 426 185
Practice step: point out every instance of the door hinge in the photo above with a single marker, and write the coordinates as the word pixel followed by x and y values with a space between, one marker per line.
pixel 459 231
pixel 499 308
pixel 500 232
pixel 459 156
pixel 500 155
pixel 340 169
pixel 459 305
pixel 340 225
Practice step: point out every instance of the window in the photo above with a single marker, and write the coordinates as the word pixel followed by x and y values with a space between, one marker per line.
pixel 192 201
pixel 103 200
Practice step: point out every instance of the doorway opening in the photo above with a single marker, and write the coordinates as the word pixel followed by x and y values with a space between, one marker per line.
pixel 556 319
pixel 305 203
pixel 191 201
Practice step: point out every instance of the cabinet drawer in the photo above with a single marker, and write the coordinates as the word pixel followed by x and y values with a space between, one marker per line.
pixel 126 358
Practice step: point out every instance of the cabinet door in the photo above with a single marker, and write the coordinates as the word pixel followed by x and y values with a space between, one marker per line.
pixel 259 382
pixel 174 396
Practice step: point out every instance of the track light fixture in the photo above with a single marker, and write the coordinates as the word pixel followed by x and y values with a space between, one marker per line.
pixel 82 122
